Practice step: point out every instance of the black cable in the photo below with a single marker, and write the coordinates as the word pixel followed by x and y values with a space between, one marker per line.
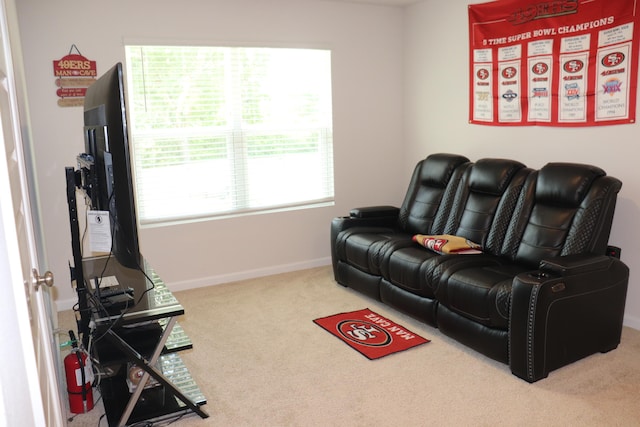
pixel 179 417
pixel 163 423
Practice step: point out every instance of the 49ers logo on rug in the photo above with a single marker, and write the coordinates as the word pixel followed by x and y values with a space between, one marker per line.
pixel 369 333
pixel 364 333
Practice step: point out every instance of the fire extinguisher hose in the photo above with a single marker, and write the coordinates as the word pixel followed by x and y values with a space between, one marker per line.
pixel 83 376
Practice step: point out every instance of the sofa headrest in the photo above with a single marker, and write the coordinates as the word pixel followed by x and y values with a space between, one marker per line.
pixel 437 168
pixel 492 176
pixel 565 184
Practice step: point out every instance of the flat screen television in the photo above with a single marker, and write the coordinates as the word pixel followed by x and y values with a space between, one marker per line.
pixel 107 145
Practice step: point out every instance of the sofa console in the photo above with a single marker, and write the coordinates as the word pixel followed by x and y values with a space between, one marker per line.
pixel 538 286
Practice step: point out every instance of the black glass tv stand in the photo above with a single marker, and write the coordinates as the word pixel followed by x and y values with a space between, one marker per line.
pixel 142 376
pixel 145 378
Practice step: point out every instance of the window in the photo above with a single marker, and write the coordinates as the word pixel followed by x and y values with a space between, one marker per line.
pixel 227 130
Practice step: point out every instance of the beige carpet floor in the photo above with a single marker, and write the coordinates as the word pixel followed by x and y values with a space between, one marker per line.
pixel 261 361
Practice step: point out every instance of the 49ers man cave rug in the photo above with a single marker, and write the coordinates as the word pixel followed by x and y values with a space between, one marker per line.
pixel 371 334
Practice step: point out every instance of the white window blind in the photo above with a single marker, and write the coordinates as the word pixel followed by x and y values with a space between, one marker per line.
pixel 225 130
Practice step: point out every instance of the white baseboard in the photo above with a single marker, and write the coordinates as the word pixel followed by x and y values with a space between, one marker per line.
pixel 248 274
pixel 632 322
pixel 63 305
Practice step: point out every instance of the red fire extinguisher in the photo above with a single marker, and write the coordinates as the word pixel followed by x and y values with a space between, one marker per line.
pixel 79 377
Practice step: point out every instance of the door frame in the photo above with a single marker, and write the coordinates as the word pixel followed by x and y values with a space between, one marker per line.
pixel 22 401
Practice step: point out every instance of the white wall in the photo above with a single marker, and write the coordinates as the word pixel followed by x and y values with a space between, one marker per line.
pixel 367 46
pixel 436 105
pixel 378 127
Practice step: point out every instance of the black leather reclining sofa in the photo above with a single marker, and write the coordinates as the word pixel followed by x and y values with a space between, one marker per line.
pixel 546 290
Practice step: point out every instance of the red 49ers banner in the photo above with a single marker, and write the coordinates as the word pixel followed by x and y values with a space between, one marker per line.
pixel 554 62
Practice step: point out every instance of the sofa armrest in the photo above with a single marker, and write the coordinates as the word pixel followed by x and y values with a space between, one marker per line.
pixel 375 217
pixel 372 216
pixel 375 212
pixel 574 264
pixel 570 308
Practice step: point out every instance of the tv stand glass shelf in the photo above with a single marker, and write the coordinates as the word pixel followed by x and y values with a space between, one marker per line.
pixel 137 346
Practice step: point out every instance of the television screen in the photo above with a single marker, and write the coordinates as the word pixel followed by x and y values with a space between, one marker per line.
pixel 107 143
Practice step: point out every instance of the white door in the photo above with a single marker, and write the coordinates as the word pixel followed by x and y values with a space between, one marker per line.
pixel 30 391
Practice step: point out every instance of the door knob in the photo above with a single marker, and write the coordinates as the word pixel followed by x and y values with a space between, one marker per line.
pixel 46 279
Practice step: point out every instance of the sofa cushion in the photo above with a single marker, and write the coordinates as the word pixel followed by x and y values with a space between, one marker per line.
pixel 486 199
pixel 492 176
pixel 565 212
pixel 403 268
pixel 427 203
pixel 360 246
pixel 481 293
pixel 565 184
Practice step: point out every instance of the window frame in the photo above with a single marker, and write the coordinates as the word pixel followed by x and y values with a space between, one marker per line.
pixel 238 150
